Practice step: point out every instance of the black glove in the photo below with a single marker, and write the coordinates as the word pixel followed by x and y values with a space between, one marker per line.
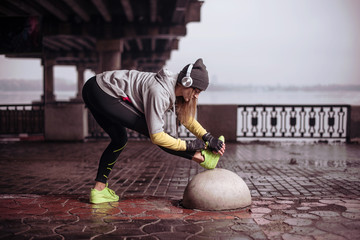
pixel 214 143
pixel 194 145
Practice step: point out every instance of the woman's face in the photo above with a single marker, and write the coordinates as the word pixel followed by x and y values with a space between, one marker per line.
pixel 190 93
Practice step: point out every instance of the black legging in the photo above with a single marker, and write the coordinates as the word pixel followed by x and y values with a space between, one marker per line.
pixel 114 115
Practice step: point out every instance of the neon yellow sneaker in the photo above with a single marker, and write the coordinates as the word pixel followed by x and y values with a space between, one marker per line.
pixel 211 159
pixel 106 195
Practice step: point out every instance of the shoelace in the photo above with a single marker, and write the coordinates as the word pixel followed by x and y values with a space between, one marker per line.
pixel 112 192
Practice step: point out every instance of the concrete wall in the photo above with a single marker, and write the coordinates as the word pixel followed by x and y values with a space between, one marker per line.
pixel 355 123
pixel 222 120
pixel 68 121
pixel 219 120
pixel 65 122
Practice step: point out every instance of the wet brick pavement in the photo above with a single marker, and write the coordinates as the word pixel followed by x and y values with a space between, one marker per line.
pixel 300 191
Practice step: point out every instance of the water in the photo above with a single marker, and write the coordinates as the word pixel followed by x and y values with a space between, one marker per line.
pixel 219 97
pixel 280 97
pixel 27 97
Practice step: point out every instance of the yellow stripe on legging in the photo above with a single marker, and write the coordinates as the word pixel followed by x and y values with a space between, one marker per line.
pixel 115 152
pixel 105 176
pixel 120 148
pixel 112 163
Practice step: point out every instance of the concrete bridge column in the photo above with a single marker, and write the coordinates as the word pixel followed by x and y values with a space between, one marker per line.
pixel 80 80
pixel 109 54
pixel 355 124
pixel 49 95
pixel 64 121
pixel 129 64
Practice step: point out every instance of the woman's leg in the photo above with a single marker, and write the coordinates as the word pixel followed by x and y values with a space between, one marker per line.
pixel 121 113
pixel 110 155
pixel 116 132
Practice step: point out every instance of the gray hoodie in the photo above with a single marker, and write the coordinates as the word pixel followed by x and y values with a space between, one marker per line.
pixel 151 93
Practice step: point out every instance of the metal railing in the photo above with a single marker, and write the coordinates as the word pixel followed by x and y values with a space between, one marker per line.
pixel 294 121
pixel 22 118
pixel 253 121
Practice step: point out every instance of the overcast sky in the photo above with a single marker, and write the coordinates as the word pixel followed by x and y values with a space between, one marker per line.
pixel 286 42
pixel 271 42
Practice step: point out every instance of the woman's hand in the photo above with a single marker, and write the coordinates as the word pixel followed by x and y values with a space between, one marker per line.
pixel 194 145
pixel 214 143
pixel 221 151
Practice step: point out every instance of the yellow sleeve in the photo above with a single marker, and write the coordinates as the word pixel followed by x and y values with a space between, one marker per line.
pixel 165 140
pixel 194 126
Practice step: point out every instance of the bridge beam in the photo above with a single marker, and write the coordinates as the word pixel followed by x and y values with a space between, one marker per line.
pixel 109 54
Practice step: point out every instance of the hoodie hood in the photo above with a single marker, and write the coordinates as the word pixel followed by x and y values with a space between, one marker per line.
pixel 167 80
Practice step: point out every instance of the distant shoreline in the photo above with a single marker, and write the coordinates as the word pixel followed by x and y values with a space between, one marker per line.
pixel 62 85
pixel 217 97
pixel 333 87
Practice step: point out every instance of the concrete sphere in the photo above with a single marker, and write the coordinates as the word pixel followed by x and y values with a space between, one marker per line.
pixel 217 189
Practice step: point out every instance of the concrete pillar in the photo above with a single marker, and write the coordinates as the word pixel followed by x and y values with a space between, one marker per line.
pixel 66 121
pixel 206 192
pixel 63 121
pixel 355 124
pixel 129 64
pixel 80 81
pixel 219 120
pixel 109 54
pixel 48 70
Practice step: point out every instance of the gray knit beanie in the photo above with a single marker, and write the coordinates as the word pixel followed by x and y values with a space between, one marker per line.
pixel 198 74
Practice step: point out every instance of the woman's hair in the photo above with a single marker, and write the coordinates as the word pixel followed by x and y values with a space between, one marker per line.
pixel 185 111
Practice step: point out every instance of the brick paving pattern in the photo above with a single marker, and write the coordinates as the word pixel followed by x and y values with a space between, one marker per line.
pixel 300 191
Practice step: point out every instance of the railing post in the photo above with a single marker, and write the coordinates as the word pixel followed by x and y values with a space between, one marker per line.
pixel 348 125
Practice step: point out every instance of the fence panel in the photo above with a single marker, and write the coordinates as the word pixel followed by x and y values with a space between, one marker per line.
pixel 22 118
pixel 294 121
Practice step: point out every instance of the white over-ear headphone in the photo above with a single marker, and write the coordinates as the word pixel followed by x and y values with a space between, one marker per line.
pixel 187 80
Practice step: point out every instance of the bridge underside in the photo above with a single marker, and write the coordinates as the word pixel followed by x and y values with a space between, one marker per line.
pixel 94 34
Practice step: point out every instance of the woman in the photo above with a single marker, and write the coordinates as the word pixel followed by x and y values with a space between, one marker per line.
pixel 138 101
